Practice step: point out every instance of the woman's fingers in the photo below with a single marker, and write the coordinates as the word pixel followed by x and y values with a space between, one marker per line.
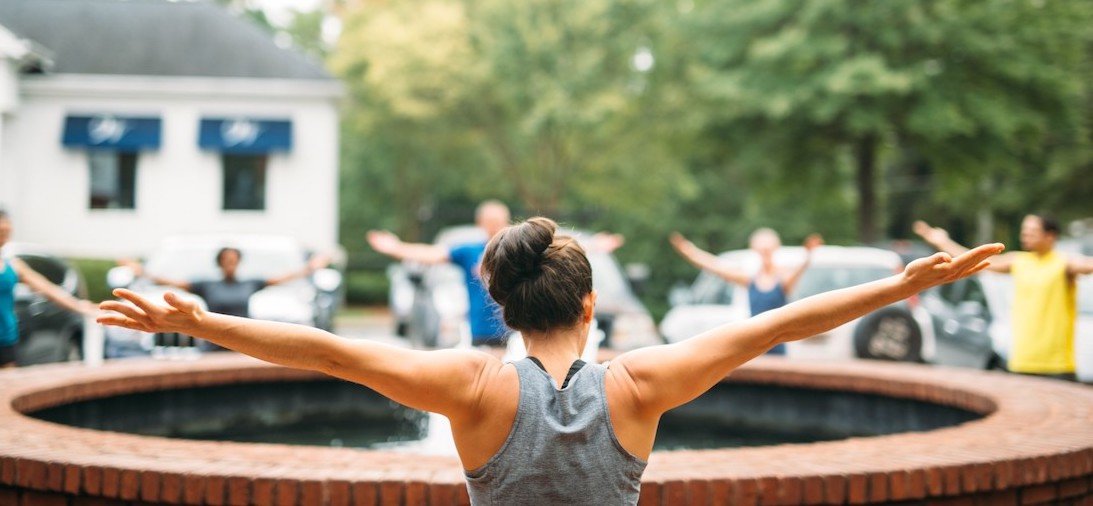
pixel 184 304
pixel 144 304
pixel 977 255
pixel 118 320
pixel 123 308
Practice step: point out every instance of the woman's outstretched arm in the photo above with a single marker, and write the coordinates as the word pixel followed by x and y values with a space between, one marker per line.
pixel 442 381
pixel 707 261
pixel 663 377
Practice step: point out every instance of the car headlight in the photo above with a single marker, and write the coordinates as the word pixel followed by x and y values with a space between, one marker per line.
pixel 633 330
pixel 281 307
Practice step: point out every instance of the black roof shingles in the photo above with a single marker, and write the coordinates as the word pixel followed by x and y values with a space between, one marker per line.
pixel 154 38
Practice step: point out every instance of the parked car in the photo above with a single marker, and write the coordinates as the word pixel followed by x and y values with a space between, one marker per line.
pixel 971 320
pixel 310 300
pixel 901 331
pixel 430 302
pixel 47 333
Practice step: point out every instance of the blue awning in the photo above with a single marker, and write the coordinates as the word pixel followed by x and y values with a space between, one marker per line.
pixel 245 135
pixel 107 131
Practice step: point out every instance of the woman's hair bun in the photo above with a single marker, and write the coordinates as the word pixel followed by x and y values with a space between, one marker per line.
pixel 518 255
pixel 538 278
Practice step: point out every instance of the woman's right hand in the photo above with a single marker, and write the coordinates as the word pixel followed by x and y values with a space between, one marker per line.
pixel 179 315
pixel 940 268
pixel 932 235
pixel 679 242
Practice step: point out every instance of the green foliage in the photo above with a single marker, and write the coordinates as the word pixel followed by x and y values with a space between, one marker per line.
pixel 94 273
pixel 366 287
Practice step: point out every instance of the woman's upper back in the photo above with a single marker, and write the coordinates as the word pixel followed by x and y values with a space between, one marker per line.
pixel 561 447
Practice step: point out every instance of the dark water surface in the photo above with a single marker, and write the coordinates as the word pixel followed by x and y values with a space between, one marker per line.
pixel 334 413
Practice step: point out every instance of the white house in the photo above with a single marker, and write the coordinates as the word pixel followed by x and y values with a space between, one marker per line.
pixel 123 122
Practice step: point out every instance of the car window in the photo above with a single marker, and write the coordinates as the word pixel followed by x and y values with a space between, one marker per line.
pixel 53 270
pixel 820 279
pixel 974 293
pixel 1085 295
pixel 950 292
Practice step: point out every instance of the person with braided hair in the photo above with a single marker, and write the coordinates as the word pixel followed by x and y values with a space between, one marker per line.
pixel 549 428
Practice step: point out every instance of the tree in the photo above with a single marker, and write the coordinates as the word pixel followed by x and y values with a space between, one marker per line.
pixel 972 87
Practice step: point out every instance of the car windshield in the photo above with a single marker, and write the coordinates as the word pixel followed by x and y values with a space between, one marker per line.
pixel 820 279
pixel 711 289
pixel 197 262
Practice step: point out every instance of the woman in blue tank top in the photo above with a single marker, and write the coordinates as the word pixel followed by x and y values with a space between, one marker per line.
pixel 767 289
pixel 548 429
pixel 12 272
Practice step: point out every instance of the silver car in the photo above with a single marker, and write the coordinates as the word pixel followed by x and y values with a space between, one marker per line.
pixel 901 331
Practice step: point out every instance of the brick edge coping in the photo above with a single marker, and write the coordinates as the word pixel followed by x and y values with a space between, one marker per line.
pixel 1035 432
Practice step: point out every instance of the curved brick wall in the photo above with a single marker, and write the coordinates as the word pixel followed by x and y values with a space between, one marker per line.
pixel 1034 446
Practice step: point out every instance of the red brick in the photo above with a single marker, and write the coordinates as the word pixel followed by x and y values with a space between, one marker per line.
pixel 439 493
pixel 1038 494
pixel 311 493
pixel 674 492
pixel 746 492
pixel 262 492
pixel 789 490
pixel 835 489
pixel 170 488
pixel 92 480
pixel 720 492
pixel 365 494
pixel 149 486
pixel 649 495
pixel 238 491
pixel 415 493
pixel 32 498
pixel 111 482
pixel 30 474
pixel 391 493
pixel 1073 488
pixel 287 491
pixel 698 492
pixel 9 495
pixel 1003 498
pixel 7 470
pixel 813 490
pixel 857 489
pixel 129 487
pixel 193 489
pixel 216 489
pixel 55 476
pixel 72 479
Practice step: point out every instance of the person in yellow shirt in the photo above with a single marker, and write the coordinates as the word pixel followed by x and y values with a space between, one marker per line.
pixel 1045 295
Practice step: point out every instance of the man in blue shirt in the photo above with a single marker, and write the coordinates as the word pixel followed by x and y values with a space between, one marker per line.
pixel 483 315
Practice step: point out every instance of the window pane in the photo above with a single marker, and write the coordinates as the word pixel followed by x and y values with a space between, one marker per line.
pixel 113 179
pixel 245 182
pixel 51 269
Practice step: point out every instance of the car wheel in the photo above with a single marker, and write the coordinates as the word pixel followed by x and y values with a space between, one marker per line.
pixel 888 334
pixel 996 363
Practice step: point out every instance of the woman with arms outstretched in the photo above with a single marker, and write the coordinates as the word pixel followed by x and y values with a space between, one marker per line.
pixel 548 429
pixel 771 286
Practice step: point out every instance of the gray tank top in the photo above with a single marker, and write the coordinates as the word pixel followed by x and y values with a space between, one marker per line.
pixel 562 448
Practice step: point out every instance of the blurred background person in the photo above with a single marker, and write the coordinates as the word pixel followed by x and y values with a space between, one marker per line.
pixel 483 315
pixel 771 286
pixel 1044 299
pixel 14 271
pixel 229 295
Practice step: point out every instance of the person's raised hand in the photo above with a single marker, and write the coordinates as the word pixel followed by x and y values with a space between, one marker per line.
pixel 318 261
pixel 813 241
pixel 940 268
pixel 607 242
pixel 678 241
pixel 383 241
pixel 179 314
pixel 932 235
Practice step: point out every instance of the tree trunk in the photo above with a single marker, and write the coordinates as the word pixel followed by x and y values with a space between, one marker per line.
pixel 866 155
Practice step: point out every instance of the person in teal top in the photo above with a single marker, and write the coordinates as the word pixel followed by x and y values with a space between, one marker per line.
pixel 769 288
pixel 12 272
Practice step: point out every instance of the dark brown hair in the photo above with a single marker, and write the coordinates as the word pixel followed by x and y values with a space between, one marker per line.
pixel 539 279
pixel 1048 223
pixel 224 251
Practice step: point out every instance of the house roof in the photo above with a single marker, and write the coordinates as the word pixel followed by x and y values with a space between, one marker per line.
pixel 153 38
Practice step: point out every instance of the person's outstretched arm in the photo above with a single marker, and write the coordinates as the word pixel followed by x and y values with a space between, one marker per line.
pixel 54 293
pixel 939 238
pixel 443 381
pixel 811 243
pixel 138 271
pixel 1077 265
pixel 389 244
pixel 707 261
pixel 315 263
pixel 666 376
